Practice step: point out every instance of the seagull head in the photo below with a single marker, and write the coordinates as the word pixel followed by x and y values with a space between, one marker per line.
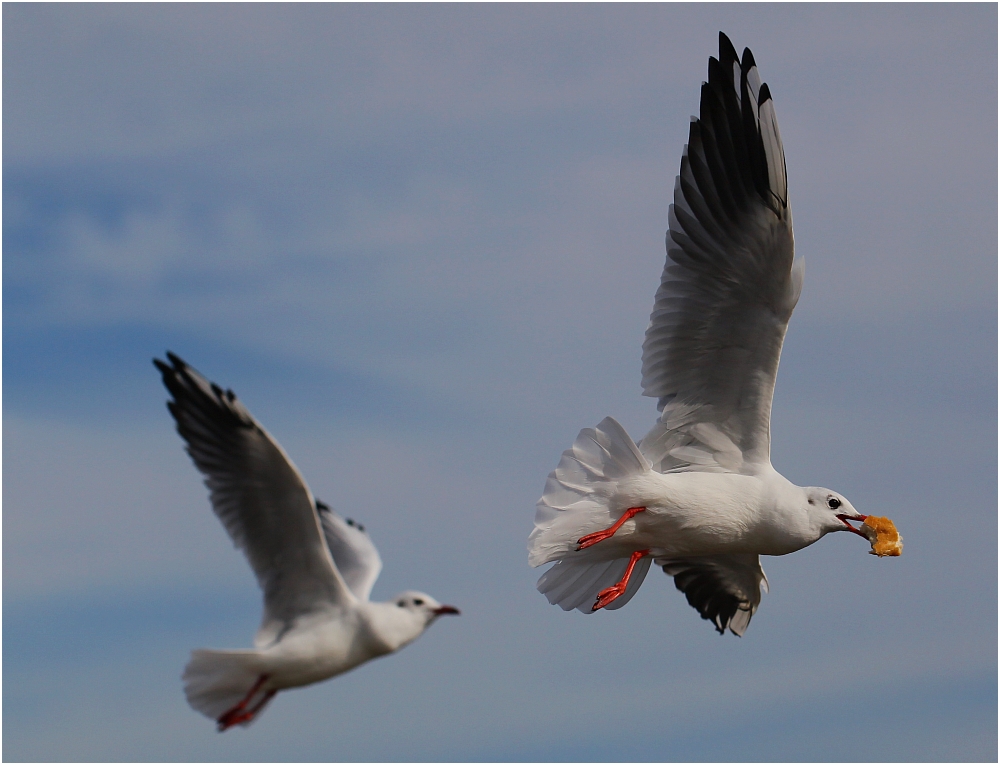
pixel 833 511
pixel 422 605
pixel 403 619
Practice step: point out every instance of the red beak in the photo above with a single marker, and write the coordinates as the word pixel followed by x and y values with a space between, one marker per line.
pixel 446 610
pixel 844 518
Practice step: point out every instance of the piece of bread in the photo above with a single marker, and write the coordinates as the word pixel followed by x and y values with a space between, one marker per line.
pixel 882 534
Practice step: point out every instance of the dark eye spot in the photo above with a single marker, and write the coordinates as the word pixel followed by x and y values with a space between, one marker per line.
pixel 350 521
pixel 833 502
pixel 418 602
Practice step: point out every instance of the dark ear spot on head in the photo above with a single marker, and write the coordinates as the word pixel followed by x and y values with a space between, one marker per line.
pixel 812 501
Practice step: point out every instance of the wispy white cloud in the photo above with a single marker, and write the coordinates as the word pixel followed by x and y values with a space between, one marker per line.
pixel 422 243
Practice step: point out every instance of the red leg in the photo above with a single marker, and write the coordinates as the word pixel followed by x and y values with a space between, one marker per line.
pixel 236 715
pixel 600 536
pixel 611 594
pixel 247 717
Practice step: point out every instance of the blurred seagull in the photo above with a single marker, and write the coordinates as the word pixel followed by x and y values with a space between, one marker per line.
pixel 315 568
pixel 698 495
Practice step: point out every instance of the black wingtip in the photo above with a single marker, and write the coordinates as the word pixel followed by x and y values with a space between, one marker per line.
pixel 716 74
pixel 747 60
pixel 765 94
pixel 727 52
pixel 177 361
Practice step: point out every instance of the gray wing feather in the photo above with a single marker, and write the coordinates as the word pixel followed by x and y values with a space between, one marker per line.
pixel 724 589
pixel 353 552
pixel 260 497
pixel 728 287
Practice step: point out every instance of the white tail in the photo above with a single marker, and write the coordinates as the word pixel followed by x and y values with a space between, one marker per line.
pixel 215 681
pixel 572 585
pixel 576 495
pixel 575 503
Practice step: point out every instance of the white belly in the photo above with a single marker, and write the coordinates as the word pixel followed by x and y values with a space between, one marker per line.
pixel 690 514
pixel 314 652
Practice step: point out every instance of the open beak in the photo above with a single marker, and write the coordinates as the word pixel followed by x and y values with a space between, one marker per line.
pixel 844 518
pixel 446 610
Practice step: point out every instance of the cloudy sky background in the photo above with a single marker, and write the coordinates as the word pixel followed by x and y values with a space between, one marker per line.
pixel 421 243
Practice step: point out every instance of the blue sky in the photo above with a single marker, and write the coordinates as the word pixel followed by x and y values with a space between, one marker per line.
pixel 421 243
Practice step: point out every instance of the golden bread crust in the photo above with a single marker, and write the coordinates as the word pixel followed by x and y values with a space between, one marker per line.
pixel 882 534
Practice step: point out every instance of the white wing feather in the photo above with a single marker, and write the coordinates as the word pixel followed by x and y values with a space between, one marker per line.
pixel 260 497
pixel 353 551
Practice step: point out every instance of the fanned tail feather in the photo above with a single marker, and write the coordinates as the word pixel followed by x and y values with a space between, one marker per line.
pixel 572 585
pixel 575 503
pixel 215 681
pixel 577 491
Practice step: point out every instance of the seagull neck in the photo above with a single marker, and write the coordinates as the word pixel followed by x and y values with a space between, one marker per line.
pixel 393 626
pixel 785 523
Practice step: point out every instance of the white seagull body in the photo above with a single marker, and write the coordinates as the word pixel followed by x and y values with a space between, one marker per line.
pixel 698 495
pixel 316 569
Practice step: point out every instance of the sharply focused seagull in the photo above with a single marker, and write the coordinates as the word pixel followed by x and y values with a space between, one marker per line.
pixel 698 495
pixel 315 568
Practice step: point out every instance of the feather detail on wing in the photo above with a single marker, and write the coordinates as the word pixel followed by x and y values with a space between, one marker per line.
pixel 352 549
pixel 724 589
pixel 729 286
pixel 260 497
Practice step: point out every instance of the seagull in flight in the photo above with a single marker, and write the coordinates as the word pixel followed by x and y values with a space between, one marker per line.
pixel 698 495
pixel 315 568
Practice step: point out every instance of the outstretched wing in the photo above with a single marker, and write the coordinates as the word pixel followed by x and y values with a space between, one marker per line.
pixel 259 496
pixel 725 589
pixel 353 552
pixel 728 287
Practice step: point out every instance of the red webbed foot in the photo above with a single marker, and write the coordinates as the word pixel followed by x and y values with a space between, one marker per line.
pixel 610 594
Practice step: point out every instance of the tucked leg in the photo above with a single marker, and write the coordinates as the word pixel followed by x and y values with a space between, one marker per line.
pixel 247 717
pixel 238 713
pixel 611 594
pixel 600 536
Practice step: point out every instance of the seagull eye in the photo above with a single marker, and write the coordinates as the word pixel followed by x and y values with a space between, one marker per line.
pixel 418 602
pixel 833 502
